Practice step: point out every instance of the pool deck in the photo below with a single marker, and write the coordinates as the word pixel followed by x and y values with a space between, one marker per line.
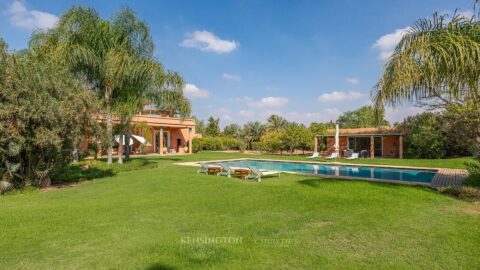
pixel 448 177
pixel 443 177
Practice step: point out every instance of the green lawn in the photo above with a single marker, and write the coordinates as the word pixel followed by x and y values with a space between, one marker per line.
pixel 138 219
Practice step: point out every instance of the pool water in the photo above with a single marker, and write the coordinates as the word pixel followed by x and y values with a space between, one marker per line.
pixel 374 173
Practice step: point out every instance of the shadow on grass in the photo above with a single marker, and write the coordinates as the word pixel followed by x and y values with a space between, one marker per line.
pixel 77 172
pixel 160 266
pixel 317 183
pixel 93 169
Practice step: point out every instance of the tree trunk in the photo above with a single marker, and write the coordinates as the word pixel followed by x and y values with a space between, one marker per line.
pixel 109 120
pixel 120 149
pixel 127 143
pixel 75 154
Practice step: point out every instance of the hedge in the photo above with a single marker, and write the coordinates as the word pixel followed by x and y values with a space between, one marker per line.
pixel 217 144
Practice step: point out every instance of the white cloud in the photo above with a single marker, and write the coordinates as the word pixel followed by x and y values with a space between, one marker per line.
pixel 306 118
pixel 226 117
pixel 245 113
pixel 21 17
pixel 398 114
pixel 192 91
pixel 387 43
pixel 231 77
pixel 353 80
pixel 338 96
pixel 266 102
pixel 209 42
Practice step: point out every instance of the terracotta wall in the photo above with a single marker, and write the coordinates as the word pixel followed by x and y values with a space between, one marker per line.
pixel 391 146
pixel 343 143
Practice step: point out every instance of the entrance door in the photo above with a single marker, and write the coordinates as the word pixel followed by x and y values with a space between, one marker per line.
pixel 179 143
pixel 377 147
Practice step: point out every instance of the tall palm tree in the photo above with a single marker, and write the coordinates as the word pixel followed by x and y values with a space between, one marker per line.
pixel 112 55
pixel 436 63
pixel 276 123
pixel 252 131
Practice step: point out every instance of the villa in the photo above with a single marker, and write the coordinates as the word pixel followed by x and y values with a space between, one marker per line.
pixel 174 133
pixel 386 142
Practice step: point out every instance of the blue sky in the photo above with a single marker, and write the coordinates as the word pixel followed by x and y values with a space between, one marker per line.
pixel 244 60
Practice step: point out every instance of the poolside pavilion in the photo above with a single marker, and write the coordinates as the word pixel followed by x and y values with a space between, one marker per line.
pixel 386 142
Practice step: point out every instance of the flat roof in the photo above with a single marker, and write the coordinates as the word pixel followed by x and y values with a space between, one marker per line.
pixel 377 131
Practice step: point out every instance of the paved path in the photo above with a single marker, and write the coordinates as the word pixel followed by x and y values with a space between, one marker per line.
pixel 449 177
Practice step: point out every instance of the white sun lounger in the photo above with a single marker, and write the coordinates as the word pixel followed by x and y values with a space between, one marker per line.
pixel 315 155
pixel 353 156
pixel 332 156
pixel 258 174
pixel 204 167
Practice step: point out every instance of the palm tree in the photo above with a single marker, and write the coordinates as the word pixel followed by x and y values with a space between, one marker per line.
pixel 436 63
pixel 113 56
pixel 276 123
pixel 252 131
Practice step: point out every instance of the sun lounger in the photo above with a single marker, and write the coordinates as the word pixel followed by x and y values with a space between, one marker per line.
pixel 207 168
pixel 258 174
pixel 232 171
pixel 315 155
pixel 353 156
pixel 332 156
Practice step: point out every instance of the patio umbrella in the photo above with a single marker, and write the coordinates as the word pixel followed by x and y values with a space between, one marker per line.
pixel 140 139
pixel 117 139
pixel 337 140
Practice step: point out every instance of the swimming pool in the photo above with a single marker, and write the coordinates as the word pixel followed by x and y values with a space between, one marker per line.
pixel 386 174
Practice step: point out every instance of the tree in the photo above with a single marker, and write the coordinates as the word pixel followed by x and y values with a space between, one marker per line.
pixel 364 117
pixel 45 113
pixel 271 141
pixel 305 138
pixel 233 130
pixel 252 131
pixel 199 125
pixel 213 128
pixel 112 55
pixel 435 64
pixel 291 135
pixel 276 123
pixel 423 136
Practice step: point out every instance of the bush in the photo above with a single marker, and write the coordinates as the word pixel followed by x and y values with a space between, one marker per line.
pixel 462 192
pixel 217 144
pixel 473 178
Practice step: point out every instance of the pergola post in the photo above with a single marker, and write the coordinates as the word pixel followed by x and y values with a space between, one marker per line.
pixel 400 146
pixel 372 147
pixel 190 140
pixel 315 144
pixel 160 148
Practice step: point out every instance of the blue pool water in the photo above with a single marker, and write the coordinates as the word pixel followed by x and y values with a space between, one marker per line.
pixel 374 173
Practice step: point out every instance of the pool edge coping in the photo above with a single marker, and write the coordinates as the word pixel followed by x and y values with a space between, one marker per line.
pixel 411 183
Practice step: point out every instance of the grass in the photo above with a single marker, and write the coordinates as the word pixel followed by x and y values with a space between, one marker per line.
pixel 138 219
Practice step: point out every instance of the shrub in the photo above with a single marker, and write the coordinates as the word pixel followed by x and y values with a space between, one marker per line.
pixel 462 192
pixel 473 178
pixel 217 144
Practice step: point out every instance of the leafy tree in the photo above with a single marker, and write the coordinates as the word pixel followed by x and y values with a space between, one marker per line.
pixel 423 136
pixel 305 138
pixel 271 141
pixel 199 125
pixel 252 131
pixel 44 113
pixel 276 123
pixel 364 117
pixel 233 130
pixel 113 55
pixel 213 128
pixel 290 137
